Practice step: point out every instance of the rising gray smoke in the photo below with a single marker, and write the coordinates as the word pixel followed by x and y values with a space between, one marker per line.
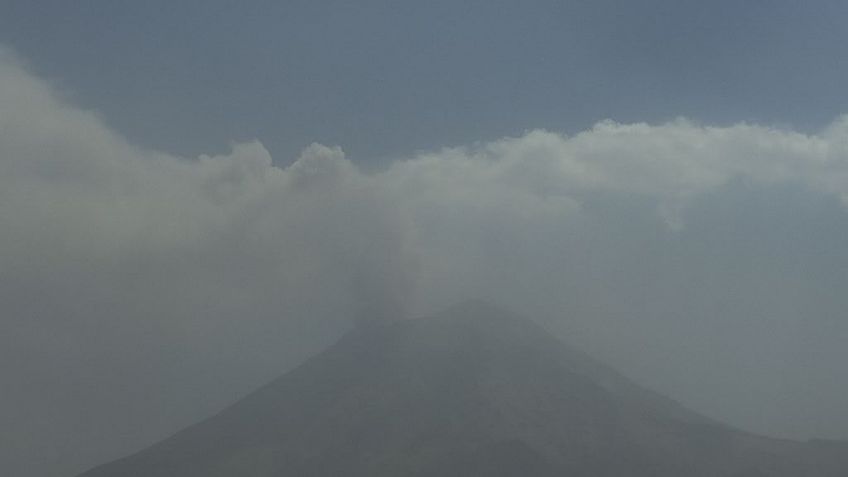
pixel 142 291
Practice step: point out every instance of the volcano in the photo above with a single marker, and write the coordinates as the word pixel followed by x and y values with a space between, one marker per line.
pixel 473 391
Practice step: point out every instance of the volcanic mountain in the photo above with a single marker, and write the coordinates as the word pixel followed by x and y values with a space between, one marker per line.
pixel 473 391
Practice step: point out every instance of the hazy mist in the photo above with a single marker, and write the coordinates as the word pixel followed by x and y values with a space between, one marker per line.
pixel 142 291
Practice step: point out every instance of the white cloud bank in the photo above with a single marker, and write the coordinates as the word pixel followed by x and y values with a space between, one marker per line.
pixel 134 281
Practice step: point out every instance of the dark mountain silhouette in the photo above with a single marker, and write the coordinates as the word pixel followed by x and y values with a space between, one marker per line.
pixel 471 392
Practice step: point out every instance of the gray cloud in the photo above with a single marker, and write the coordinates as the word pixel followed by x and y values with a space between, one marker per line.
pixel 142 291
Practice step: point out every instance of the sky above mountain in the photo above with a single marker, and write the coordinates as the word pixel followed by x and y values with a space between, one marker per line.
pixel 384 79
pixel 195 197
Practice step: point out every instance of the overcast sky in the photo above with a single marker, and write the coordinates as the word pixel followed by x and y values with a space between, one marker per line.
pixel 195 198
pixel 387 78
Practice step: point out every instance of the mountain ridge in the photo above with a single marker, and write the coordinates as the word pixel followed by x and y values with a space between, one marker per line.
pixel 471 391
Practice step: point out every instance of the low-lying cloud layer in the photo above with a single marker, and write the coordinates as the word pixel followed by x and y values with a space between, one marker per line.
pixel 141 291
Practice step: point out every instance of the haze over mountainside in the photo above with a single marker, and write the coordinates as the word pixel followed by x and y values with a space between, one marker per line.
pixel 473 391
pixel 245 221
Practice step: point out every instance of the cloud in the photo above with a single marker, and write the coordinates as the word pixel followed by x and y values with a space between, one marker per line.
pixel 135 281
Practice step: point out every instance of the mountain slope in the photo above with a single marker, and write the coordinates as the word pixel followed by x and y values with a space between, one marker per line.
pixel 473 391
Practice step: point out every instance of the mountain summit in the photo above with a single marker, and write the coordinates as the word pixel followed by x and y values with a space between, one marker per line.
pixel 473 391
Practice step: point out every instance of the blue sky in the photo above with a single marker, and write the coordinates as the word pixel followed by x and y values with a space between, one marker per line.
pixel 384 79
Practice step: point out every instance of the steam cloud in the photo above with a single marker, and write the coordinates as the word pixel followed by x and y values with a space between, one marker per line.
pixel 125 272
